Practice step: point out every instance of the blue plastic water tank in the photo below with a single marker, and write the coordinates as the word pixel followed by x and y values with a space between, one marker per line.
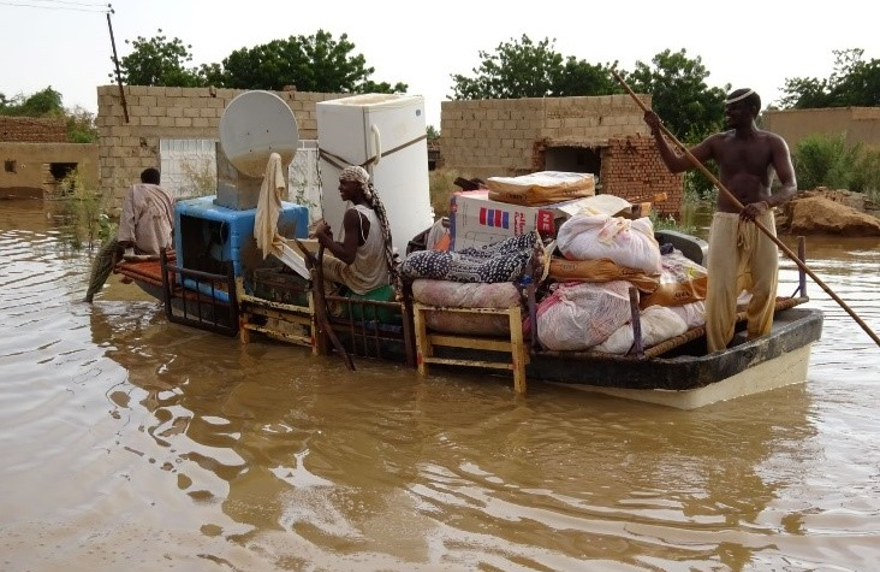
pixel 208 237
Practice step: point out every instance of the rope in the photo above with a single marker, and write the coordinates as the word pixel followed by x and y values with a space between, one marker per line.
pixel 341 163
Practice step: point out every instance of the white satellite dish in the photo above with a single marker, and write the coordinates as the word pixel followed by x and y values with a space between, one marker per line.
pixel 254 125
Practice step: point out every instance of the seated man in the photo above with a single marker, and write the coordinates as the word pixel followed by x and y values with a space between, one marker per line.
pixel 145 228
pixel 364 260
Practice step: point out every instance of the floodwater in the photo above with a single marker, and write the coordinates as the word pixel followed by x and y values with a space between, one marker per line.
pixel 128 443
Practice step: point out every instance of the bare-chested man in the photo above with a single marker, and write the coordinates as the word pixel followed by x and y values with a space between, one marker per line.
pixel 740 255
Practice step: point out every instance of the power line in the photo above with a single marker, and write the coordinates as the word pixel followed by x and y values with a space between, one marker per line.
pixel 67 8
pixel 69 3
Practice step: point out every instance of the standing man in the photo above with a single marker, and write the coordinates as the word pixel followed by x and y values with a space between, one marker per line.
pixel 740 255
pixel 145 228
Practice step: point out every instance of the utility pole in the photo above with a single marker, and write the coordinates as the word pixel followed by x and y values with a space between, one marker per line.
pixel 116 62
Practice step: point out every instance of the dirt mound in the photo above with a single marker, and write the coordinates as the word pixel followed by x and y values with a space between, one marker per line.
pixel 824 211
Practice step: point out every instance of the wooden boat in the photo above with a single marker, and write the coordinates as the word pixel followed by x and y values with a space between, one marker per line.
pixel 677 373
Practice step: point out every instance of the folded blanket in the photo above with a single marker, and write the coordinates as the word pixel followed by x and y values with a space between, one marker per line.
pixel 504 261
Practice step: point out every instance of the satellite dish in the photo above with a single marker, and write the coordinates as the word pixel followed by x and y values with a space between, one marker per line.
pixel 254 125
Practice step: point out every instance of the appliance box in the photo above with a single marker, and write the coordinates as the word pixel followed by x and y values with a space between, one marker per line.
pixel 477 221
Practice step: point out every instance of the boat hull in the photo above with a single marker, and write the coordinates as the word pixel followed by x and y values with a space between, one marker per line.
pixel 787 369
pixel 686 382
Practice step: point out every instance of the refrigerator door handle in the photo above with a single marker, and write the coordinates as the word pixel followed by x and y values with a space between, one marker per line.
pixel 377 144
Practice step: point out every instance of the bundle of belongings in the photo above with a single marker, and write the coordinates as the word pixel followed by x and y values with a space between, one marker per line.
pixel 588 251
pixel 484 277
pixel 602 256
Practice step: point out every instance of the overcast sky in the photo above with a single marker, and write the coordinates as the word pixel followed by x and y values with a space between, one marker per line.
pixel 746 43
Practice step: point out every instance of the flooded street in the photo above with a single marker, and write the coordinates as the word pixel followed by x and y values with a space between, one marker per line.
pixel 128 443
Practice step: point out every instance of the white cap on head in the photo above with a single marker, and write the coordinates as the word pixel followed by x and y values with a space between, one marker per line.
pixel 739 97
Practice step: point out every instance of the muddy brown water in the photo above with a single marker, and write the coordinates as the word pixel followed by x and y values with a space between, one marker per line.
pixel 128 443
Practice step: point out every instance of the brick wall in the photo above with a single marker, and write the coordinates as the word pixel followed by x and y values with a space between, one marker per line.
pixel 508 137
pixel 157 113
pixel 632 169
pixel 32 130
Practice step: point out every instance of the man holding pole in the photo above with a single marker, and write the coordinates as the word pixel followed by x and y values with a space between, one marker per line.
pixel 740 255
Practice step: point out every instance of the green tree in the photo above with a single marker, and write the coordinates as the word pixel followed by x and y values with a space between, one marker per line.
pixel 432 133
pixel 44 103
pixel 81 126
pixel 523 68
pixel 689 107
pixel 518 68
pixel 579 77
pixel 48 103
pixel 854 82
pixel 158 61
pixel 312 63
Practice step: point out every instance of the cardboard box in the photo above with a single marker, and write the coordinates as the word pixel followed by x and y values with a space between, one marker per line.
pixel 476 221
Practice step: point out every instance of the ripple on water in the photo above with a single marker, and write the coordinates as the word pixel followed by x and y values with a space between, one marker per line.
pixel 140 442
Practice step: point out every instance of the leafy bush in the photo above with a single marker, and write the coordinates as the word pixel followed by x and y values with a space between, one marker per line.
pixel 669 222
pixel 698 188
pixel 829 161
pixel 441 185
pixel 84 208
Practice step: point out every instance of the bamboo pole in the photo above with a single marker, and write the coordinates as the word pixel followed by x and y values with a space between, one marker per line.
pixel 788 252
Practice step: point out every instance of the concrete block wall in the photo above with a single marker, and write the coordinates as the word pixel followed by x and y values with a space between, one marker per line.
pixel 632 169
pixel 487 138
pixel 861 124
pixel 32 130
pixel 509 137
pixel 155 113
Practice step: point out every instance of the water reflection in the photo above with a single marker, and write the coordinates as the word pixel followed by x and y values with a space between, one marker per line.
pixel 385 463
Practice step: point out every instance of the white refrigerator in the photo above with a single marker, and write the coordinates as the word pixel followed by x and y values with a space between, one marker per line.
pixel 354 129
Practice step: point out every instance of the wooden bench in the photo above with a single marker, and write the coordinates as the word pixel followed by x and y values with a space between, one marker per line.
pixel 427 341
pixel 256 314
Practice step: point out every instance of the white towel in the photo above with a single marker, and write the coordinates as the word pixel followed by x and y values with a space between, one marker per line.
pixel 269 207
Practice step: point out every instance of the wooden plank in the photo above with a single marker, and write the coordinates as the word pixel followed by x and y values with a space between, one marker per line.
pixel 470 363
pixel 423 342
pixel 289 317
pixel 450 340
pixel 519 352
pixel 301 340
pixel 494 311
pixel 263 303
pixel 244 335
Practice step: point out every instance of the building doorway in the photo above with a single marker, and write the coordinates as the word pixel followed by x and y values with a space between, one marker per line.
pixel 573 160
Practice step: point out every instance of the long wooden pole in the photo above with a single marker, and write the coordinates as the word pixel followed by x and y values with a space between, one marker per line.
pixel 317 272
pixel 116 63
pixel 788 252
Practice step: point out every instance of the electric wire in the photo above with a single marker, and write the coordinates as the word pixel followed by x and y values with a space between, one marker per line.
pixel 91 10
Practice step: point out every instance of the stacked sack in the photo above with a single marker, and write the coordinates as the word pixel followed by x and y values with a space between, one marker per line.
pixel 603 257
